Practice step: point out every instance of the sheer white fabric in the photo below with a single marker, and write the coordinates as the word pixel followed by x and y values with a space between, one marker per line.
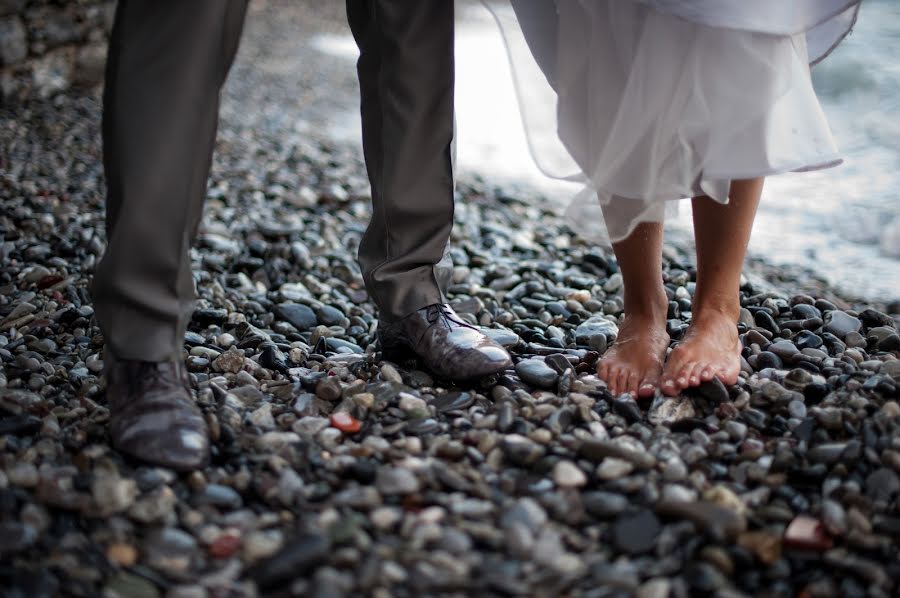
pixel 646 101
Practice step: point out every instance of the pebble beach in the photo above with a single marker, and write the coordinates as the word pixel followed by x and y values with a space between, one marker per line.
pixel 336 473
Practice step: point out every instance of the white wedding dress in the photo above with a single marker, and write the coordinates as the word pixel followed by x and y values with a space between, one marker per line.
pixel 646 101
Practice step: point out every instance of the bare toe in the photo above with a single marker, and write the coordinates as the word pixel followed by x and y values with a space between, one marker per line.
pixel 646 390
pixel 603 371
pixel 694 376
pixel 621 380
pixel 669 387
pixel 631 383
pixel 683 377
pixel 612 376
pixel 728 377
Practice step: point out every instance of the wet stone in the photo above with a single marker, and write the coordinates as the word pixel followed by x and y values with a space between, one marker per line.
pixel 328 315
pixel 126 584
pixel 736 429
pixel 628 408
pixel 834 517
pixel 305 405
pixel 889 343
pixel 828 453
pixel 872 318
pixel 526 512
pixel 719 522
pixel 596 450
pixel 298 556
pixel 345 422
pixel 16 537
pixel 224 546
pixel 613 469
pixel 452 401
pixel 765 546
pixel 329 389
pixel 883 484
pixel 396 480
pixel 559 363
pixel 785 350
pixel 262 544
pixel 521 451
pixel 231 361
pixel 807 340
pixel 170 550
pixel 704 578
pixel 221 496
pixel 841 324
pixel 604 504
pixel 301 317
pixel 390 373
pixel 537 373
pixel 797 409
pixel 504 338
pixel 765 321
pixel 671 410
pixel 596 332
pixel 807 533
pixel 714 391
pixel 121 554
pixel 414 407
pixel 568 475
pixel 113 494
pixel 635 533
pixel 654 588
pixel 155 506
pixel 23 474
pixel 20 425
pixel 422 427
pixel 767 359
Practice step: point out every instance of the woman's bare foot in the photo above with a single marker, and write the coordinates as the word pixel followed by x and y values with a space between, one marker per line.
pixel 635 362
pixel 710 349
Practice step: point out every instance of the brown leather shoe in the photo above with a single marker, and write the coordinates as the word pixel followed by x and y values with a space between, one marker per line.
pixel 153 416
pixel 448 346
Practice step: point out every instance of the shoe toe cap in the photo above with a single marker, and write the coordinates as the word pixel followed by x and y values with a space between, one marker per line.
pixel 484 360
pixel 181 447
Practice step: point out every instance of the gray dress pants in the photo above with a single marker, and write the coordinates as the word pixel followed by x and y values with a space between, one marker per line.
pixel 167 63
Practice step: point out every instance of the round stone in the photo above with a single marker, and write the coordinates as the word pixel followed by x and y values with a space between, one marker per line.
pixel 568 475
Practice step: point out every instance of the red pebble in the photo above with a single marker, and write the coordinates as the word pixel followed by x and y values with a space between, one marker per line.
pixel 346 423
pixel 807 533
pixel 224 546
pixel 49 280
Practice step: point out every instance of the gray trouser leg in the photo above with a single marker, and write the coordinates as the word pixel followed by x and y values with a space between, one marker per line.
pixel 406 81
pixel 167 62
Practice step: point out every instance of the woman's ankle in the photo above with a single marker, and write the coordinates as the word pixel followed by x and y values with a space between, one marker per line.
pixel 715 307
pixel 652 306
pixel 715 315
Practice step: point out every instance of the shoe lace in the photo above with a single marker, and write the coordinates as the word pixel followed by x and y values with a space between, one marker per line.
pixel 145 373
pixel 441 311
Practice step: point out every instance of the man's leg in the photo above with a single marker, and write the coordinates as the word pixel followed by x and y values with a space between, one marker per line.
pixel 406 76
pixel 167 62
